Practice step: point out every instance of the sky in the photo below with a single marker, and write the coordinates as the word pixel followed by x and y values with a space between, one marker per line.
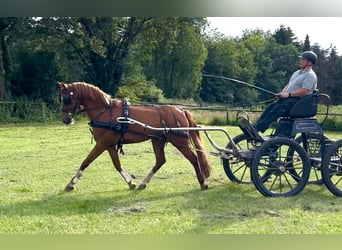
pixel 322 30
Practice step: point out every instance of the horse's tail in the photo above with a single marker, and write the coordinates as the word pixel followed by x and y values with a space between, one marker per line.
pixel 197 140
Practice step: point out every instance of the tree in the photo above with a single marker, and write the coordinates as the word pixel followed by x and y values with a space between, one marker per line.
pixel 285 61
pixel 259 44
pixel 109 51
pixel 228 58
pixel 330 76
pixel 36 76
pixel 39 61
pixel 274 62
pixel 285 36
pixel 321 68
pixel 102 43
pixel 6 24
pixel 177 54
pixel 149 57
pixel 306 45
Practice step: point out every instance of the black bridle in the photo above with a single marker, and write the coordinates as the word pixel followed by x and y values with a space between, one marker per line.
pixel 67 96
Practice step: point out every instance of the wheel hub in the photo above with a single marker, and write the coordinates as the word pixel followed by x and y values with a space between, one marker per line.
pixel 282 169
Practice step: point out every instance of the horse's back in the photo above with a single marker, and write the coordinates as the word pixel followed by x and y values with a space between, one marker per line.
pixel 160 115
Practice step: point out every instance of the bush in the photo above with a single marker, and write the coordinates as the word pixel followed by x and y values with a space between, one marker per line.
pixel 332 123
pixel 334 119
pixel 24 110
pixel 5 111
pixel 137 90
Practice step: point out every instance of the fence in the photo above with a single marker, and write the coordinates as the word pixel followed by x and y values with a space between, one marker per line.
pixel 39 111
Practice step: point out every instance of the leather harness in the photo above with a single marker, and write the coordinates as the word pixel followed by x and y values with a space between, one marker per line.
pixel 122 128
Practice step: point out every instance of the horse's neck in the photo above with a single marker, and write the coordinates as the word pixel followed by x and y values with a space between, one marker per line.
pixel 95 110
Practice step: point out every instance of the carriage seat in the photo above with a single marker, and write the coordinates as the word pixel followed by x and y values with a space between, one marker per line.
pixel 301 117
pixel 305 107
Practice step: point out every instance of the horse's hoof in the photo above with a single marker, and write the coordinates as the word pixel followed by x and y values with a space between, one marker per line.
pixel 204 187
pixel 142 186
pixel 132 186
pixel 69 188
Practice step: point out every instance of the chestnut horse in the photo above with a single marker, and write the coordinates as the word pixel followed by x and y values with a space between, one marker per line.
pixel 110 135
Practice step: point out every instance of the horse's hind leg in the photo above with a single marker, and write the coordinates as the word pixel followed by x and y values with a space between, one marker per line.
pixel 115 159
pixel 158 148
pixel 191 156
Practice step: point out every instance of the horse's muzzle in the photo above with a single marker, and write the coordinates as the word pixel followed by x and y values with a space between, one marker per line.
pixel 68 120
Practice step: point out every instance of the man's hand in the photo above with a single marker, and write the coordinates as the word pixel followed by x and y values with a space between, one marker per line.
pixel 282 95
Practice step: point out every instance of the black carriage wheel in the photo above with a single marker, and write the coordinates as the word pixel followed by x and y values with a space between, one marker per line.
pixel 236 169
pixel 272 168
pixel 332 168
pixel 314 149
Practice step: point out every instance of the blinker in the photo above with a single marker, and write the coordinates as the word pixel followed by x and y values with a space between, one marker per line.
pixel 67 100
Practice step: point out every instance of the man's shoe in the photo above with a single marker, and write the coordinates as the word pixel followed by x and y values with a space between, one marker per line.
pixel 249 130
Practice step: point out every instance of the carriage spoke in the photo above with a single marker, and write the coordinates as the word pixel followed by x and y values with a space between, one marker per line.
pixel 338 181
pixel 244 171
pixel 273 183
pixel 288 181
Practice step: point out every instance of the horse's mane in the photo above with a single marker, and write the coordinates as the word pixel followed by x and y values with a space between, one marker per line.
pixel 92 92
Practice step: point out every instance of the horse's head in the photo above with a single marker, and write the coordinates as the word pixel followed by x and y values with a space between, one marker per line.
pixel 70 103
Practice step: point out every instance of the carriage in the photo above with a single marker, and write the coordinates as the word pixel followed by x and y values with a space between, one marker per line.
pixel 282 163
pixel 279 164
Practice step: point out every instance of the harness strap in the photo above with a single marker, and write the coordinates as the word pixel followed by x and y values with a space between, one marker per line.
pixel 106 125
pixel 164 124
pixel 117 127
pixel 124 126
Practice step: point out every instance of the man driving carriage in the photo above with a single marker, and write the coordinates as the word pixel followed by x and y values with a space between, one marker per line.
pixel 302 82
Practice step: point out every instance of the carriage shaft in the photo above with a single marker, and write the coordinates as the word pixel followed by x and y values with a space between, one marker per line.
pixel 198 128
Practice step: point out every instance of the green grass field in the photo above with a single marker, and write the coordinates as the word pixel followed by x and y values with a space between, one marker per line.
pixel 37 161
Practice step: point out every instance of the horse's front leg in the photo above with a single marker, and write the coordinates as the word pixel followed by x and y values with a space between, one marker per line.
pixel 116 162
pixel 95 152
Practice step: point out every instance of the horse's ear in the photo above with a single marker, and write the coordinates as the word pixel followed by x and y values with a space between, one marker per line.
pixel 62 85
